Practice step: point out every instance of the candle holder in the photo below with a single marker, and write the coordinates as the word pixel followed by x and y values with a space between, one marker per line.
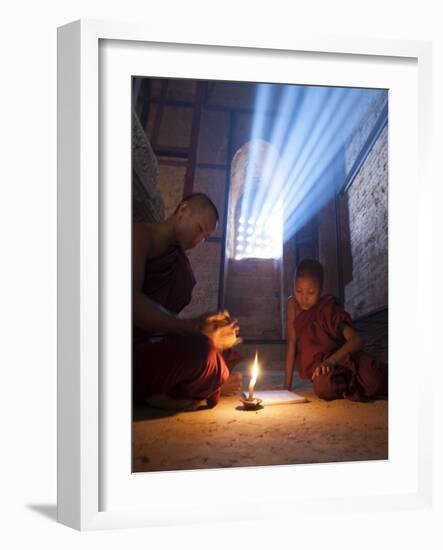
pixel 251 403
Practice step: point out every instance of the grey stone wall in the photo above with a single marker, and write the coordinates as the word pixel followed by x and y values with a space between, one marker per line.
pixel 205 261
pixel 367 200
pixel 254 297
pixel 327 247
pixel 256 290
pixel 212 181
pixel 213 137
pixel 253 286
pixel 360 219
pixel 147 203
pixel 171 183
pixel 371 113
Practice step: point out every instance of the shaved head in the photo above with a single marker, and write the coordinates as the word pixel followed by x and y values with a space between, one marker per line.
pixel 200 201
pixel 310 269
pixel 194 219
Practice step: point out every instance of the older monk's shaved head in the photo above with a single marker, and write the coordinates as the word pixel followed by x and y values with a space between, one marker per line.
pixel 199 201
pixel 194 219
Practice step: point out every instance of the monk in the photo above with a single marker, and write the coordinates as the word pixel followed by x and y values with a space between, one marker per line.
pixel 178 364
pixel 324 344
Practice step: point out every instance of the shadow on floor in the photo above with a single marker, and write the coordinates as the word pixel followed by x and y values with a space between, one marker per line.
pixel 142 412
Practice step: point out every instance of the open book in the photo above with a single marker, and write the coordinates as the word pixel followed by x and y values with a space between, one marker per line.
pixel 278 397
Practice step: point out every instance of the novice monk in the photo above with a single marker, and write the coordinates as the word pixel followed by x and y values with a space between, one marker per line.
pixel 177 363
pixel 326 347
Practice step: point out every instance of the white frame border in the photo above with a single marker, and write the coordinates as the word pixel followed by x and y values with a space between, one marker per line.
pixel 78 256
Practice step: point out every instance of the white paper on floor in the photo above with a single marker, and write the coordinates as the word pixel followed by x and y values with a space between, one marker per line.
pixel 278 397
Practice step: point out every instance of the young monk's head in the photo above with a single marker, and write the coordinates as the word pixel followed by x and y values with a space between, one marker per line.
pixel 308 283
pixel 194 219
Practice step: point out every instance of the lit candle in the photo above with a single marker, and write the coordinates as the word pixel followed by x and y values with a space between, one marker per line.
pixel 253 378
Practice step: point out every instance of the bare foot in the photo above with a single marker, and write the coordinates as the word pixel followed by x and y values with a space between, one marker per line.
pixel 233 384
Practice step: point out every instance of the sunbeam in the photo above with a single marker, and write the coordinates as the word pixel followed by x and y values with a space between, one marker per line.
pixel 311 126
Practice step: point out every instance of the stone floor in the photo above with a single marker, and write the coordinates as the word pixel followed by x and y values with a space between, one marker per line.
pixel 228 436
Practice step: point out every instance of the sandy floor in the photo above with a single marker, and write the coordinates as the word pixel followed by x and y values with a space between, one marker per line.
pixel 228 436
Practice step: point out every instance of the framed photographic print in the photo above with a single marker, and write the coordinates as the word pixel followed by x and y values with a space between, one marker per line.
pixel 232 276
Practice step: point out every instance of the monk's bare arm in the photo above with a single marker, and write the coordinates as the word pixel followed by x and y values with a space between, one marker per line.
pixel 147 314
pixel 353 343
pixel 291 343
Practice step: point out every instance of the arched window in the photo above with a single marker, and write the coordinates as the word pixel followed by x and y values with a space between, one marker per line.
pixel 255 216
pixel 258 236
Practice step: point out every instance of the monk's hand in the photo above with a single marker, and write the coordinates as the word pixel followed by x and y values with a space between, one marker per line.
pixel 224 336
pixel 222 316
pixel 323 368
pixel 220 328
pixel 205 322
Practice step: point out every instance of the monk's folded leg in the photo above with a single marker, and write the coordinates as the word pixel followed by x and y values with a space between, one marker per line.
pixel 183 367
pixel 372 376
pixel 206 371
pixel 331 385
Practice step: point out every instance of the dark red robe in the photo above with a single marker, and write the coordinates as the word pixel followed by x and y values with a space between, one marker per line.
pixel 319 333
pixel 181 366
pixel 169 281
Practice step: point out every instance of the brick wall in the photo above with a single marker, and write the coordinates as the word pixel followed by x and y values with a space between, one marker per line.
pixel 212 181
pixel 171 182
pixel 367 202
pixel 253 289
pixel 355 143
pixel 254 298
pixel 360 217
pixel 205 261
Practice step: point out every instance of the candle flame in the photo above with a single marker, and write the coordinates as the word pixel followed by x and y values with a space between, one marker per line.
pixel 254 370
pixel 253 377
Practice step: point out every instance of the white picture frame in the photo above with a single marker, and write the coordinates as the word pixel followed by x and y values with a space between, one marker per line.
pixel 82 438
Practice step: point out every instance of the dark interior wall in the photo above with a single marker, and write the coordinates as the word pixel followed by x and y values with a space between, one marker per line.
pixel 224 127
pixel 353 226
pixel 169 123
pixel 366 290
pixel 253 286
pixel 327 247
pixel 363 215
pixel 254 297
pixel 205 260
pixel 289 264
pixel 348 235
